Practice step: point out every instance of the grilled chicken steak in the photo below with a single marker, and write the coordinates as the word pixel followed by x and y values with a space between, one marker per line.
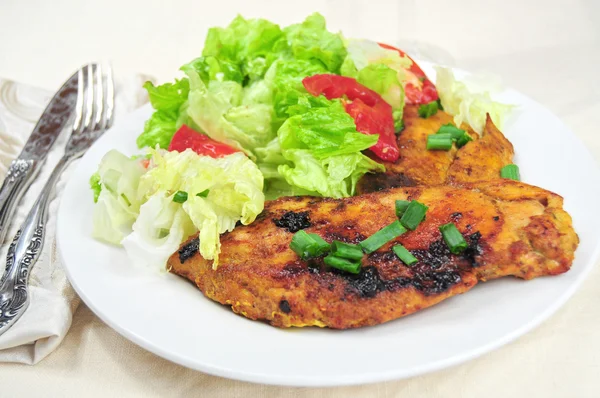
pixel 480 160
pixel 513 229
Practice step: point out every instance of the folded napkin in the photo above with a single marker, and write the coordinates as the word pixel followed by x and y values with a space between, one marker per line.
pixel 53 301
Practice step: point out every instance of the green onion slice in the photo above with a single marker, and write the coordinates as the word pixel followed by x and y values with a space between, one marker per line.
pixel 453 238
pixel 414 214
pixel 204 193
pixel 404 255
pixel 308 245
pixel 342 264
pixel 464 140
pixel 180 197
pixel 401 206
pixel 459 135
pixel 439 142
pixel 382 237
pixel 510 171
pixel 428 109
pixel 346 250
pixel 451 129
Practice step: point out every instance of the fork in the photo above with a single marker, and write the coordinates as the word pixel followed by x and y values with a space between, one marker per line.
pixel 93 115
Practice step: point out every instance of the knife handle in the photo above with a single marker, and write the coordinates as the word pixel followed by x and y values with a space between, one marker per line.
pixel 20 175
pixel 24 252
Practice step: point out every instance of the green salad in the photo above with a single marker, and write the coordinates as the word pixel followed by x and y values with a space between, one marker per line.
pixel 264 112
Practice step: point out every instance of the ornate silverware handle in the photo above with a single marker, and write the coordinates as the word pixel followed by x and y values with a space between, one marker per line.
pixel 24 252
pixel 20 174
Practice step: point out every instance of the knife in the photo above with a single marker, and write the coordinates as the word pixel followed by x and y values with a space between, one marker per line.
pixel 24 169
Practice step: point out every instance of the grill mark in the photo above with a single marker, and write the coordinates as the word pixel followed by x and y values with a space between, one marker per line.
pixel 188 250
pixel 368 283
pixel 293 221
pixel 284 306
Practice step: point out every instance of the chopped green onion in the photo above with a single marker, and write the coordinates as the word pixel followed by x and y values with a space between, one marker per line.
pixel 441 142
pixel 204 193
pixel 180 197
pixel 382 237
pixel 510 171
pixel 342 264
pixel 462 141
pixel 404 255
pixel 346 250
pixel 454 239
pixel 451 129
pixel 308 245
pixel 414 214
pixel 401 206
pixel 459 135
pixel 428 109
pixel 320 246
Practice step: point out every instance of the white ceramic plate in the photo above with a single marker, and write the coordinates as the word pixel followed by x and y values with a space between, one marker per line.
pixel 170 317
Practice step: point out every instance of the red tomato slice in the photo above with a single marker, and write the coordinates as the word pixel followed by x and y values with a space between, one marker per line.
pixel 371 114
pixel 418 88
pixel 187 137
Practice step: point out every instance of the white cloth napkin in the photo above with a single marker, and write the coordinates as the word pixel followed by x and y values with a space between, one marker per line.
pixel 53 301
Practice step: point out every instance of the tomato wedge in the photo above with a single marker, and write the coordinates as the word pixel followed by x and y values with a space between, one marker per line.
pixel 186 137
pixel 418 88
pixel 371 114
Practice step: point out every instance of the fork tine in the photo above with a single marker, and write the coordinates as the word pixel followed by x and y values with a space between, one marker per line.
pixel 79 109
pixel 99 97
pixel 109 99
pixel 89 97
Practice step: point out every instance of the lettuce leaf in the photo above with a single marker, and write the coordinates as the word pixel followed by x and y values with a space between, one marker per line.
pixel 167 99
pixel 384 80
pixel 218 111
pixel 245 42
pixel 168 96
pixel 135 206
pixel 211 68
pixel 469 104
pixel 117 205
pixel 158 130
pixel 284 78
pixel 362 53
pixel 160 228
pixel 381 70
pixel 322 150
pixel 235 187
pixel 95 186
pixel 311 40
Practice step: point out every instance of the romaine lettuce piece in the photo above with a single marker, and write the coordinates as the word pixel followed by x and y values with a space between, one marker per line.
pixel 218 111
pixel 245 42
pixel 311 40
pixel 323 151
pixel 167 99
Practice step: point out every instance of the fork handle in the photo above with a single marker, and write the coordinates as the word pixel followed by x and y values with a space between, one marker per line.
pixel 24 252
pixel 20 175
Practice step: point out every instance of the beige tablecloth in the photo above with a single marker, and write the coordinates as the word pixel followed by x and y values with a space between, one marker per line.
pixel 549 50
